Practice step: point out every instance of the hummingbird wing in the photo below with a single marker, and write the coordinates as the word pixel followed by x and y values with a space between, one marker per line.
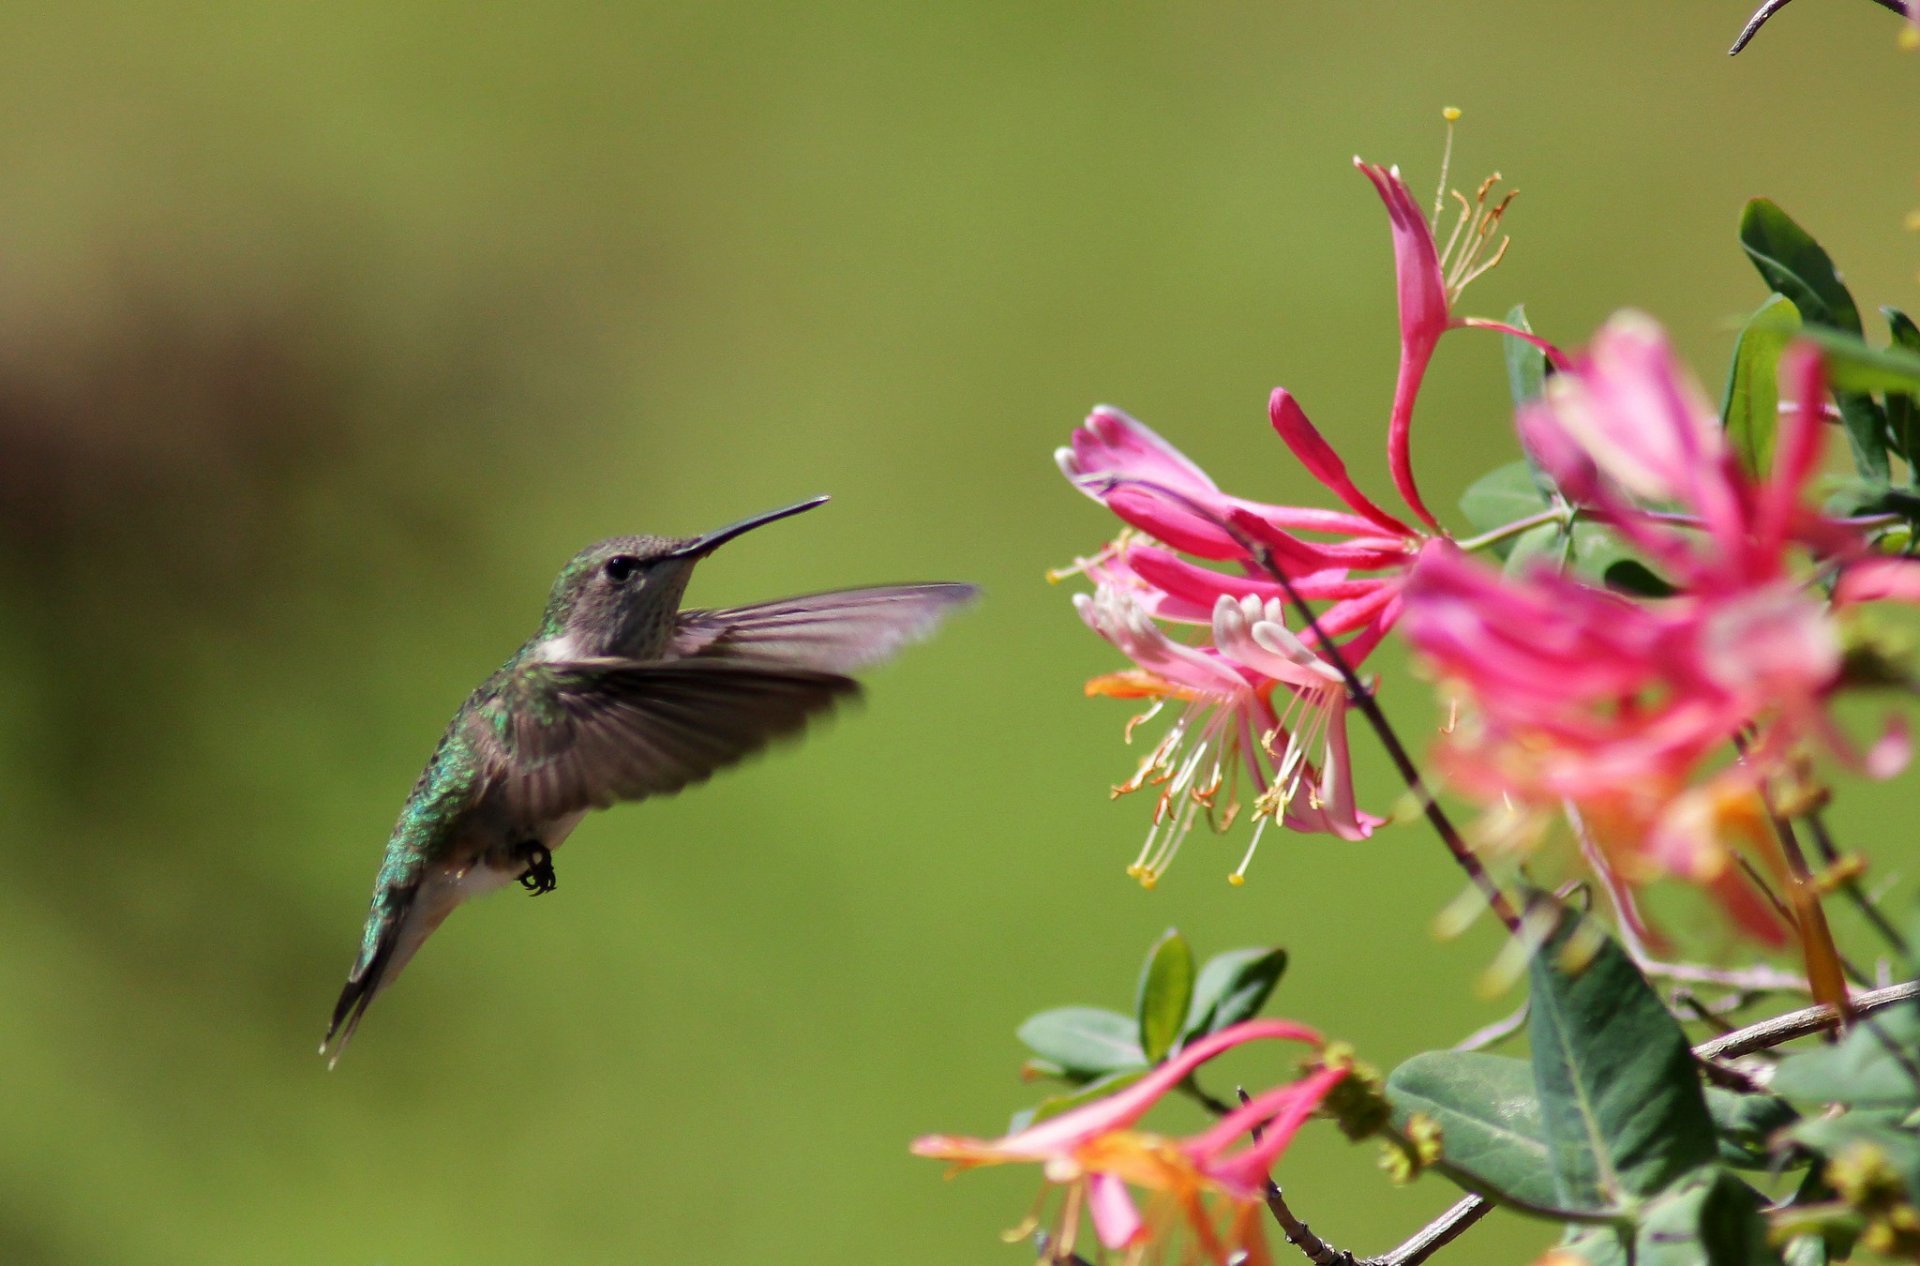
pixel 565 736
pixel 837 632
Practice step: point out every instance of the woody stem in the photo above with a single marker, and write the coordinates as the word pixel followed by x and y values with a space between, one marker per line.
pixel 1363 699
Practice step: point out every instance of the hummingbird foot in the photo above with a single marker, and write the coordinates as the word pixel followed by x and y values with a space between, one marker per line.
pixel 538 877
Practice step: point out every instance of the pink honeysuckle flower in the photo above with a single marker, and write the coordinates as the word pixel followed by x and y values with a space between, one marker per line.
pixel 1628 709
pixel 1627 433
pixel 1352 562
pixel 1430 279
pixel 1157 490
pixel 1201 1186
pixel 1256 704
pixel 1151 485
pixel 1585 697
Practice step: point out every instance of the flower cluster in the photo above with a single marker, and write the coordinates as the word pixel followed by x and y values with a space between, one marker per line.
pixel 1631 709
pixel 1263 706
pixel 1143 1191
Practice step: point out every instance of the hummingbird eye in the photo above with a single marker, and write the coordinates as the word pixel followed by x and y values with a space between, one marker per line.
pixel 621 567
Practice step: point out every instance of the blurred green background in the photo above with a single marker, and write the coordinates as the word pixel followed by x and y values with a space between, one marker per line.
pixel 328 332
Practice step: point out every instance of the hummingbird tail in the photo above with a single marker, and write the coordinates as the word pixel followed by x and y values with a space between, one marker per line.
pixel 403 917
pixel 400 922
pixel 367 979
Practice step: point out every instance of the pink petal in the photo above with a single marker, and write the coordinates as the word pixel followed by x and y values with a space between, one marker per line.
pixel 1424 317
pixel 1115 1220
pixel 1290 420
pixel 1056 1135
pixel 1878 580
pixel 1281 1114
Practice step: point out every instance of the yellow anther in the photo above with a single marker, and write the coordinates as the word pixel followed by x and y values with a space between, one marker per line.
pixel 1451 114
pixel 1237 879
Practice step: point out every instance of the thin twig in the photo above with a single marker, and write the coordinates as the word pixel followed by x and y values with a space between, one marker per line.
pixel 1849 884
pixel 1357 691
pixel 1815 1019
pixel 1317 1250
pixel 1363 699
pixel 1498 1031
pixel 1435 1235
pixel 1765 12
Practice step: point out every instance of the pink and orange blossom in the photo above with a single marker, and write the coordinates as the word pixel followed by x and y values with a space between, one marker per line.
pixel 1630 709
pixel 1352 562
pixel 1430 279
pixel 1209 1187
pixel 1256 704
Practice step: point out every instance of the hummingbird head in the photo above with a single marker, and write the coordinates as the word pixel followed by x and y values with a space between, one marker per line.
pixel 618 597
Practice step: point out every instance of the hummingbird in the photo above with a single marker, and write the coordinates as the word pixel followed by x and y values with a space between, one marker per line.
pixel 619 695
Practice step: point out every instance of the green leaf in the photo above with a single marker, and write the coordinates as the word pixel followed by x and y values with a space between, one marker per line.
pixel 1855 367
pixel 1054 1105
pixel 1625 1116
pixel 1232 987
pixel 1493 1139
pixel 1505 495
pixel 1710 1218
pixel 1526 364
pixel 1903 408
pixel 1794 265
pixel 1166 991
pixel 1744 1125
pixel 1751 407
pixel 1835 1136
pixel 1084 1042
pixel 1501 496
pixel 1806 1250
pixel 1876 1065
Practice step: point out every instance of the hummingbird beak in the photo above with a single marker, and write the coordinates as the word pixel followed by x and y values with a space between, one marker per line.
pixel 700 547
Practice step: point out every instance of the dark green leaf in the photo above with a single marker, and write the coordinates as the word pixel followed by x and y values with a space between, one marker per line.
pixel 1054 1105
pixel 1744 1124
pixel 1492 1137
pixel 1166 991
pixel 1624 1112
pixel 1751 407
pixel 1084 1042
pixel 1726 1218
pixel 1232 987
pixel 1877 1065
pixel 1710 1218
pixel 1903 409
pixel 1794 265
pixel 1631 576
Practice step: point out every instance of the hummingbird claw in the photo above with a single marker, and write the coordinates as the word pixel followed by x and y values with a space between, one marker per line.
pixel 538 878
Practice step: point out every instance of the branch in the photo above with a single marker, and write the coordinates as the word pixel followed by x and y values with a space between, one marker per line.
pixel 1318 1251
pixel 1765 12
pixel 1357 691
pixel 1435 1235
pixel 1784 1028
